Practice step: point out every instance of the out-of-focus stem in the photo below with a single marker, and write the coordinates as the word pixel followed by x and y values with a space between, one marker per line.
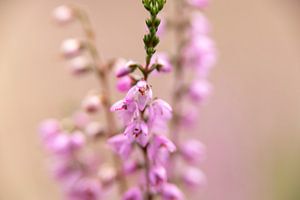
pixel 148 194
pixel 178 71
pixel 101 71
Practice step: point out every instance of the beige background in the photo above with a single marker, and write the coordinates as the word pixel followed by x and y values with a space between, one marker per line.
pixel 251 125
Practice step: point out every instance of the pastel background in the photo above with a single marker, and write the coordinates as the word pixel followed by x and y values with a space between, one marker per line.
pixel 251 124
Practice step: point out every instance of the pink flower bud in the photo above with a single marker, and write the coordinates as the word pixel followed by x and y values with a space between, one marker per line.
pixel 81 119
pixel 91 103
pixel 79 65
pixel 171 192
pixel 129 167
pixel 158 176
pixel 124 84
pixel 193 151
pixel 49 129
pixel 198 3
pixel 163 60
pixel 77 140
pixel 133 194
pixel 71 47
pixel 194 177
pixel 85 189
pixel 123 68
pixel 199 25
pixel 199 90
pixel 63 14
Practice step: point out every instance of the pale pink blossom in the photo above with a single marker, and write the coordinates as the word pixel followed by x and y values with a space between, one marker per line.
pixel 63 14
pixel 124 67
pixel 158 176
pixel 85 189
pixel 120 145
pixel 137 131
pixel 141 93
pixel 71 47
pixel 80 65
pixel 163 61
pixel 199 90
pixel 133 194
pixel 124 84
pixel 171 192
pixel 91 103
pixel 194 177
pixel 198 3
pixel 193 151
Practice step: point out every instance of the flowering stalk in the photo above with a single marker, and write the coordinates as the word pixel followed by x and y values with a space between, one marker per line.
pixel 140 136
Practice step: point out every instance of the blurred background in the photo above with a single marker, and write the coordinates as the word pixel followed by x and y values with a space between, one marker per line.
pixel 251 124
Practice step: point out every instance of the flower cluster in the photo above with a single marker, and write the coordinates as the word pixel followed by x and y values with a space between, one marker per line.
pixel 140 152
pixel 196 55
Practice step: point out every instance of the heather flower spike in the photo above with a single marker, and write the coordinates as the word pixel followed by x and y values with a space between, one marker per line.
pixel 134 142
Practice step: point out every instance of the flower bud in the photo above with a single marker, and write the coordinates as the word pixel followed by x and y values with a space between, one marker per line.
pixel 79 65
pixel 124 84
pixel 198 3
pixel 171 192
pixel 199 90
pixel 91 103
pixel 133 194
pixel 193 151
pixel 124 68
pixel 194 177
pixel 71 47
pixel 63 14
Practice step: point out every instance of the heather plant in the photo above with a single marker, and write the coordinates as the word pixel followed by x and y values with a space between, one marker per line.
pixel 138 146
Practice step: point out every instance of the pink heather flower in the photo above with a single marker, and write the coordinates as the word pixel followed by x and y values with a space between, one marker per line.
pixel 193 151
pixel 124 68
pixel 163 60
pixel 198 3
pixel 199 25
pixel 49 129
pixel 159 112
pixel 63 14
pixel 158 176
pixel 81 119
pixel 91 103
pixel 85 189
pixel 124 84
pixel 126 110
pixel 77 140
pixel 133 194
pixel 199 90
pixel 159 149
pixel 171 192
pixel 120 145
pixel 65 143
pixel 200 54
pixel 194 177
pixel 130 166
pixel 189 117
pixel 79 65
pixel 137 131
pixel 141 93
pixel 66 172
pixel 71 47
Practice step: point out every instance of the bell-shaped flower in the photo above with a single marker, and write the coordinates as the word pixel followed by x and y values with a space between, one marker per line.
pixel 193 151
pixel 162 146
pixel 171 192
pixel 140 93
pixel 126 109
pixel 133 194
pixel 137 131
pixel 120 145
pixel 194 177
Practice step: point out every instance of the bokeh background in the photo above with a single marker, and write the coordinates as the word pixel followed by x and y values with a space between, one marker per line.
pixel 251 124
